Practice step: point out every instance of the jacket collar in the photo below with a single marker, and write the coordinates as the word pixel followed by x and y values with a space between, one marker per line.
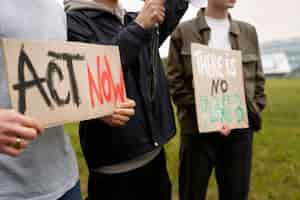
pixel 93 9
pixel 97 13
pixel 204 30
pixel 202 24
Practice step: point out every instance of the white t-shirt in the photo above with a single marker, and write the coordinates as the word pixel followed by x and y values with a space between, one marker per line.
pixel 47 168
pixel 219 37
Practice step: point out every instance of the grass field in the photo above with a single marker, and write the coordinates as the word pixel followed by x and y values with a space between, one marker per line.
pixel 276 161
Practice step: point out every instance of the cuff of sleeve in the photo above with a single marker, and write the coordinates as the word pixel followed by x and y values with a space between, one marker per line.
pixel 144 34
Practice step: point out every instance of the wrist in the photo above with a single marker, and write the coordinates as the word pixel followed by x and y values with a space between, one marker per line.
pixel 140 23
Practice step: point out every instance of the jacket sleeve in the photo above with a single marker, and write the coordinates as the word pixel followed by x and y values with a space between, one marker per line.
pixel 130 39
pixel 175 71
pixel 260 96
pixel 175 9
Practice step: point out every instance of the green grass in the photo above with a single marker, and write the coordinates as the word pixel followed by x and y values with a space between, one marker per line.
pixel 276 157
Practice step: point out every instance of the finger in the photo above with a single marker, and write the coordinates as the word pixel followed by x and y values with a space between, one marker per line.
pixel 122 118
pixel 158 7
pixel 124 111
pixel 222 133
pixel 226 131
pixel 24 143
pixel 27 121
pixel 160 19
pixel 127 104
pixel 11 141
pixel 157 2
pixel 21 131
pixel 222 130
pixel 106 119
pixel 116 122
pixel 154 15
pixel 31 123
pixel 155 10
pixel 154 2
pixel 159 16
pixel 162 9
pixel 8 150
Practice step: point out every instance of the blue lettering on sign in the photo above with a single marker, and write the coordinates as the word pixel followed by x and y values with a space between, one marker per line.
pixel 224 109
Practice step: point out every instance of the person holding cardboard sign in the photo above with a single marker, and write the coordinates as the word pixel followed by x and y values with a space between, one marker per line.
pixel 34 165
pixel 227 151
pixel 129 162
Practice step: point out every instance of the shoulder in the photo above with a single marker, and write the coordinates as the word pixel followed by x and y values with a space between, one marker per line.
pixel 184 27
pixel 78 26
pixel 75 15
pixel 248 37
pixel 188 25
pixel 246 28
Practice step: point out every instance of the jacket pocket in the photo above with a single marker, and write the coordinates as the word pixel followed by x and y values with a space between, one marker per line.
pixel 249 57
pixel 188 70
pixel 187 60
pixel 249 65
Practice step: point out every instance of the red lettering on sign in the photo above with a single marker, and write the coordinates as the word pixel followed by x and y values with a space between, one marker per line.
pixel 106 77
pixel 92 84
pixel 105 88
pixel 118 88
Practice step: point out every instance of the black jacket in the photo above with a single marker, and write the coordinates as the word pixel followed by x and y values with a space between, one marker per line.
pixel 153 124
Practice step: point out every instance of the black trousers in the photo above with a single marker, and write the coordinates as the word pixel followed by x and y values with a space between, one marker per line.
pixel 150 182
pixel 229 156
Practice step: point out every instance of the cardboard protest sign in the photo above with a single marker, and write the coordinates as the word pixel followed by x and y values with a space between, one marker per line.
pixel 219 88
pixel 60 82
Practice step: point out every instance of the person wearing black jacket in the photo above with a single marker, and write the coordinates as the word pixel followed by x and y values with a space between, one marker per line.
pixel 129 162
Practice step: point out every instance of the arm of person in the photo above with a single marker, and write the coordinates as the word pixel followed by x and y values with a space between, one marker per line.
pixel 16 132
pixel 174 11
pixel 175 71
pixel 130 39
pixel 260 95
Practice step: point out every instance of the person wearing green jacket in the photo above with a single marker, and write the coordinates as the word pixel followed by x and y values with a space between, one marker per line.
pixel 227 151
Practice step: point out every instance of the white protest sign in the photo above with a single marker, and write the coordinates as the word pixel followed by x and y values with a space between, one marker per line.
pixel 219 88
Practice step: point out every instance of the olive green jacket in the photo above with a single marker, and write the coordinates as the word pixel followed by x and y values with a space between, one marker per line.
pixel 243 37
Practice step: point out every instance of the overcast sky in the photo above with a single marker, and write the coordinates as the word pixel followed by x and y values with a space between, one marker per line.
pixel 273 19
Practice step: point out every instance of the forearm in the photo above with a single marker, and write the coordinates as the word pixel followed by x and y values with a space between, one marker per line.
pixel 130 39
pixel 260 96
pixel 175 10
pixel 176 73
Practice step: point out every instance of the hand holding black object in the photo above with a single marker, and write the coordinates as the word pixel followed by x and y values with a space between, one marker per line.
pixel 153 12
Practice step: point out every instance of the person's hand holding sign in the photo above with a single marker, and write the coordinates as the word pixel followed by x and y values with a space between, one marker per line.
pixel 152 12
pixel 16 132
pixel 225 130
pixel 121 114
